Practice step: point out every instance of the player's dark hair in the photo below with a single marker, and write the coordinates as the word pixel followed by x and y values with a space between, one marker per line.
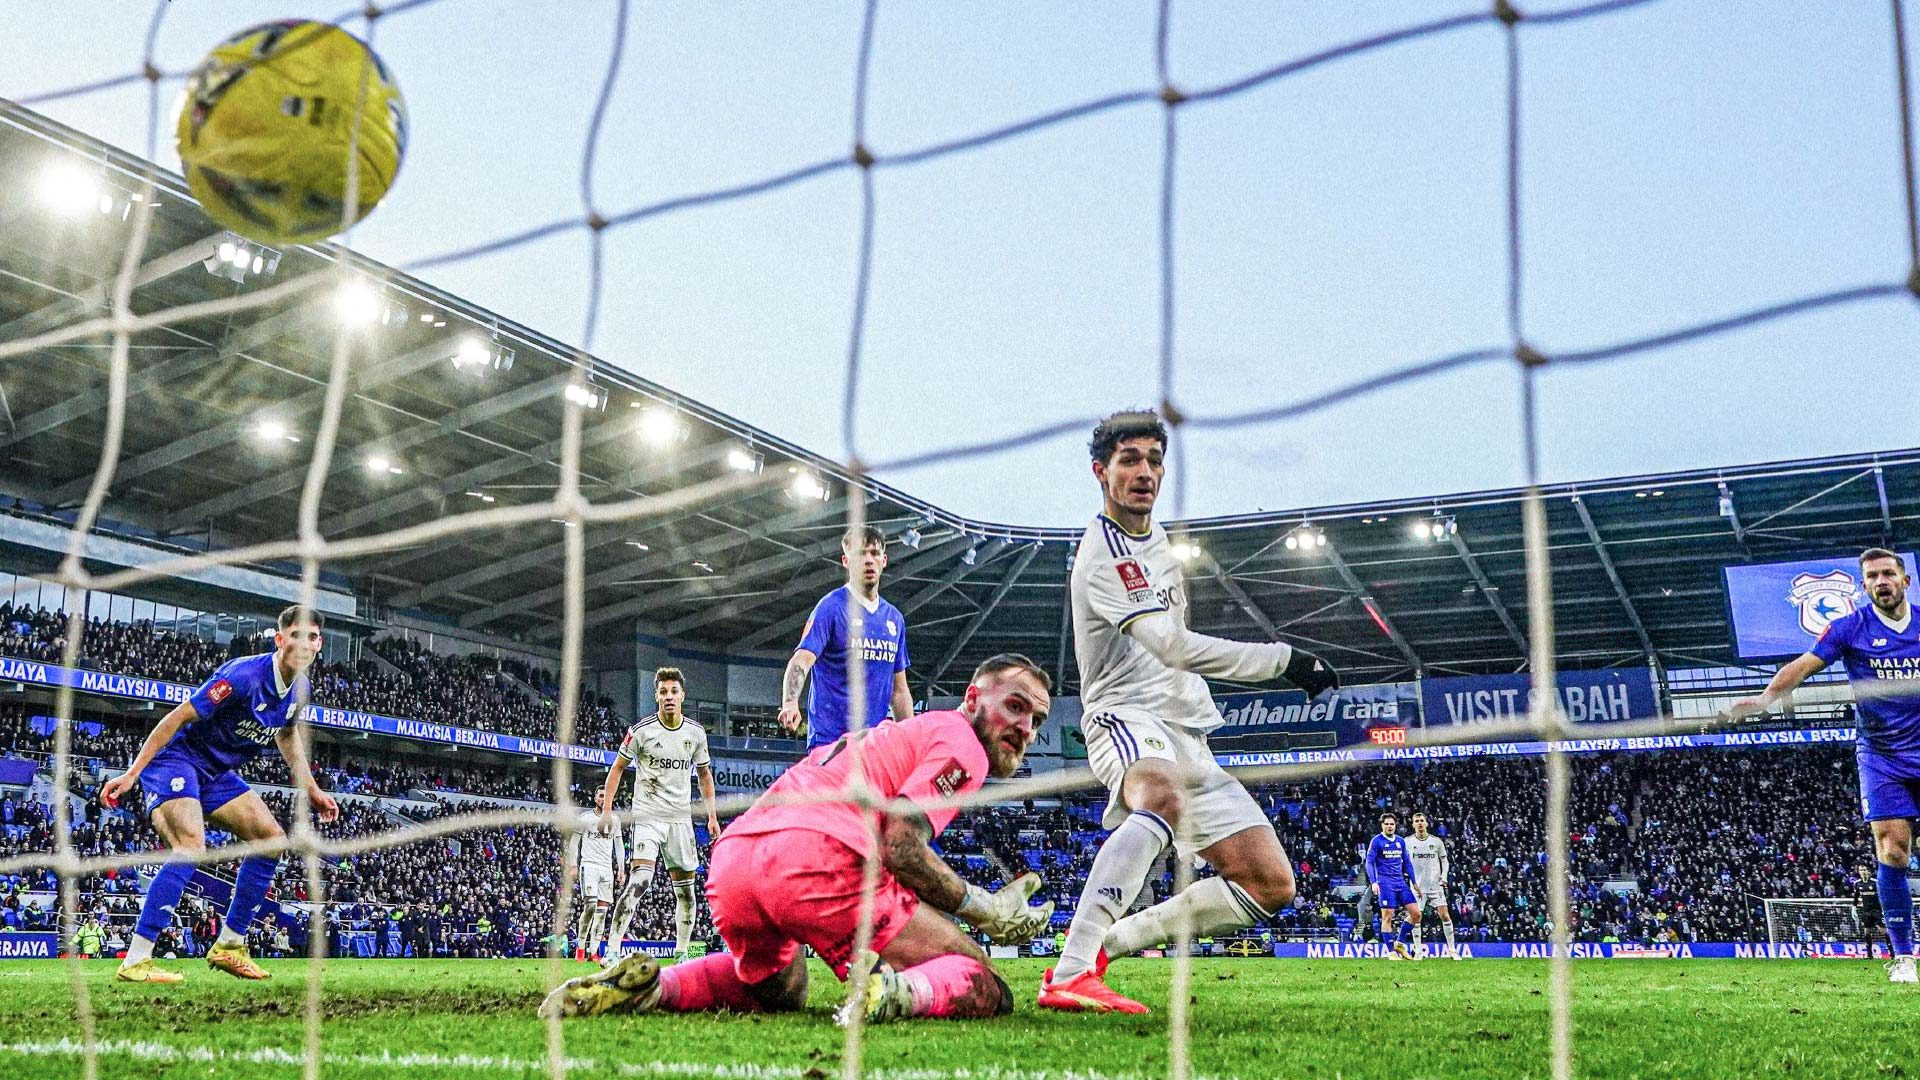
pixel 1121 426
pixel 1384 818
pixel 1012 661
pixel 298 614
pixel 1871 554
pixel 868 537
pixel 669 674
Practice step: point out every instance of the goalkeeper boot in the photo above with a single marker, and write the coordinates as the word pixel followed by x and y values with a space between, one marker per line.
pixel 887 996
pixel 1902 971
pixel 145 972
pixel 235 961
pixel 632 985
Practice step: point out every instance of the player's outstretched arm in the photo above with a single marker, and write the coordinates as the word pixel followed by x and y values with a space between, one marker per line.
pixel 1003 916
pixel 791 683
pixel 1784 683
pixel 163 732
pixel 1180 648
pixel 294 750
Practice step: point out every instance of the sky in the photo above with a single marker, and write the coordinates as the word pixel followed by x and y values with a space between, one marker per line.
pixel 1681 161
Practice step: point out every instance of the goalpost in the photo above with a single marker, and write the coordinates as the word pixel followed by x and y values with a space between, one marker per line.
pixel 1812 921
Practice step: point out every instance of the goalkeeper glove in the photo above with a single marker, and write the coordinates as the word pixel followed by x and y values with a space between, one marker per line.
pixel 1004 916
pixel 1310 673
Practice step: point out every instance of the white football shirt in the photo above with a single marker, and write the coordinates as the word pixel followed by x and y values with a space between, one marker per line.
pixel 594 849
pixel 662 760
pixel 1119 577
pixel 1429 860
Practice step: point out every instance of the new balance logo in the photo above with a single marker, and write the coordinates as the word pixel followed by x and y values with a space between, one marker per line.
pixel 1879 642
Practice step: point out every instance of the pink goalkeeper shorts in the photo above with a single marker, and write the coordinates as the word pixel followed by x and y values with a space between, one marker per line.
pixel 773 892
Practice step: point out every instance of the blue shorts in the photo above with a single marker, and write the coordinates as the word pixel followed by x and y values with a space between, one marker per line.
pixel 1397 896
pixel 174 774
pixel 1889 784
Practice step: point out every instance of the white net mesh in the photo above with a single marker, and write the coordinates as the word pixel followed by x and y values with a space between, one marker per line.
pixel 312 548
pixel 1798 921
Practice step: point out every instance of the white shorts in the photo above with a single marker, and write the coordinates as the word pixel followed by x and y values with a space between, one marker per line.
pixel 670 842
pixel 596 883
pixel 1218 806
pixel 1434 897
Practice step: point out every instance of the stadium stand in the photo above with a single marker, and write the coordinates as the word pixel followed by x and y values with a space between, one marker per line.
pixel 1670 846
pixel 464 690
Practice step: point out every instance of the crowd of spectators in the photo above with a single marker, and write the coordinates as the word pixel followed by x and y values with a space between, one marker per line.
pixel 1668 846
pixel 468 690
pixel 475 686
pixel 1665 846
pixel 118 648
pixel 1675 846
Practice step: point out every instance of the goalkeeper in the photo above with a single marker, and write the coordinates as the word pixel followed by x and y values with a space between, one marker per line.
pixel 789 871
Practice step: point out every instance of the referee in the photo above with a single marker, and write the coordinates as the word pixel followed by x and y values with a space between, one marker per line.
pixel 1866 897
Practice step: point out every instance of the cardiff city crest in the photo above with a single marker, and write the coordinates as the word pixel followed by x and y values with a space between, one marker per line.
pixel 1822 598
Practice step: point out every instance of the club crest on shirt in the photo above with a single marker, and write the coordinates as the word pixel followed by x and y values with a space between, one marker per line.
pixel 1133 578
pixel 950 779
pixel 1822 598
pixel 220 691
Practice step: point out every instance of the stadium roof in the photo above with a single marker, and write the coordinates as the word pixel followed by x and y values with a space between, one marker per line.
pixel 1636 560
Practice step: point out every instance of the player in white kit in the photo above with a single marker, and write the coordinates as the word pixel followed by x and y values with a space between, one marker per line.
pixel 1431 871
pixel 663 749
pixel 600 859
pixel 1147 714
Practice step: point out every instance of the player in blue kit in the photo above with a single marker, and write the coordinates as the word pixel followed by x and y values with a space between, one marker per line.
pixel 1390 871
pixel 1880 645
pixel 186 771
pixel 880 629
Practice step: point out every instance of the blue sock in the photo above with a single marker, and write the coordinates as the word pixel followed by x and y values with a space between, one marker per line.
pixel 1406 933
pixel 250 891
pixel 156 911
pixel 1896 906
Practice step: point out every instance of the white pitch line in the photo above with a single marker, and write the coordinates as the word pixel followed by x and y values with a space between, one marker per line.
pixel 693 1070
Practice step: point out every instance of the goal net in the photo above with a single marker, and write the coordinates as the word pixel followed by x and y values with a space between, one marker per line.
pixel 120 315
pixel 1792 921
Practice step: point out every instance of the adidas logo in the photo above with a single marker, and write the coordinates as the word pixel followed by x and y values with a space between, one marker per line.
pixel 1112 894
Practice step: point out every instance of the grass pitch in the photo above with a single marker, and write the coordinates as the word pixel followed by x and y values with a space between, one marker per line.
pixel 1254 1018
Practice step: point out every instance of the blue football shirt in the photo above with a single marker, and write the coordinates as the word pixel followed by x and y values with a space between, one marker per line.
pixel 1387 861
pixel 241 708
pixel 881 635
pixel 1877 653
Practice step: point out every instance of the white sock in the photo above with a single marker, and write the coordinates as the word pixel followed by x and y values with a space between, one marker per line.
pixel 1118 872
pixel 138 949
pixel 1214 905
pixel 623 912
pixel 589 926
pixel 229 936
pixel 1419 935
pixel 1446 926
pixel 683 911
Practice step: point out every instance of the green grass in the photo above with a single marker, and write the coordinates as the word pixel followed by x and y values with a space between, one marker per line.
pixel 1251 1018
